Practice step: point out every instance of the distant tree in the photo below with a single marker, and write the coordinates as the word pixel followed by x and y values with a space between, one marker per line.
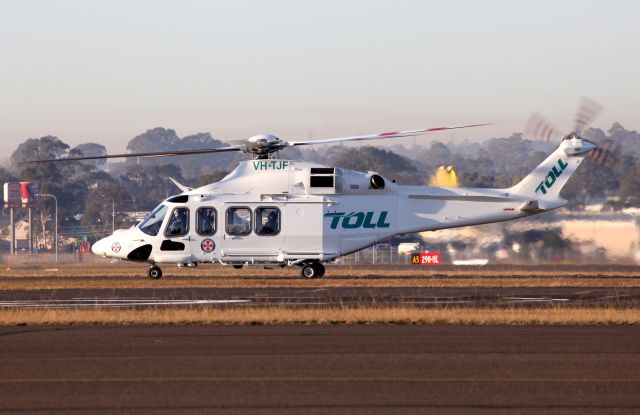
pixel 6 176
pixel 155 139
pixel 594 182
pixel 88 150
pixel 192 166
pixel 40 172
pixel 594 134
pixel 475 179
pixel 47 147
pixel 437 155
pixel 93 178
pixel 515 173
pixel 509 155
pixel 630 186
pixel 625 141
pixel 291 153
pixel 149 185
pixel 476 172
pixel 100 200
pixel 213 177
pixel 382 161
pixel 72 197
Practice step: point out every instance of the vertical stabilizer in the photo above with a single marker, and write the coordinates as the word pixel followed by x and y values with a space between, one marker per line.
pixel 546 181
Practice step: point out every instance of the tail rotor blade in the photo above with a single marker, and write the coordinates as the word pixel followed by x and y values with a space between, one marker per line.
pixel 606 154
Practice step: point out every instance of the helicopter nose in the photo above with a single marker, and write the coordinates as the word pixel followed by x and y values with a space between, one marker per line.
pixel 101 247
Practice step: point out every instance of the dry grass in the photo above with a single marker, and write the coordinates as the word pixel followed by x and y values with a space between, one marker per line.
pixel 330 315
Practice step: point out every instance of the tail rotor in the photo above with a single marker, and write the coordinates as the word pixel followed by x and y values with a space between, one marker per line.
pixel 539 128
pixel 588 110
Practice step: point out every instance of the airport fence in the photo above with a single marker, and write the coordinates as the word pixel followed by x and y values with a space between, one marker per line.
pixel 49 258
pixel 367 256
pixel 376 255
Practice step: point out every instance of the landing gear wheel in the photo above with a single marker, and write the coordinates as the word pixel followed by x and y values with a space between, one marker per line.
pixel 309 271
pixel 238 266
pixel 312 270
pixel 155 273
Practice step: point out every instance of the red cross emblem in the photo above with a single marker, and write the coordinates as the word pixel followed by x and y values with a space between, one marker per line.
pixel 208 245
pixel 115 247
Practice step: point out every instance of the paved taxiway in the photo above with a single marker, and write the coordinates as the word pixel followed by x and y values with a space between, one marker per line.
pixel 320 369
pixel 417 296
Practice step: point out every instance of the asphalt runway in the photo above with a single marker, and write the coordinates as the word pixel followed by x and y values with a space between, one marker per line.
pixel 249 297
pixel 320 369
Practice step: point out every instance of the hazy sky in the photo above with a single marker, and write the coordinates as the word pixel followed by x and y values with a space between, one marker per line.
pixel 107 71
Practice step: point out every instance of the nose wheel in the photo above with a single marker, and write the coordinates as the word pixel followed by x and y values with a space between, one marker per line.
pixel 155 273
pixel 312 270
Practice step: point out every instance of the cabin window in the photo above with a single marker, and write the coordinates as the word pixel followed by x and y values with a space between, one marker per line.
pixel 322 170
pixel 267 221
pixel 321 179
pixel 206 221
pixel 178 222
pixel 152 223
pixel 238 221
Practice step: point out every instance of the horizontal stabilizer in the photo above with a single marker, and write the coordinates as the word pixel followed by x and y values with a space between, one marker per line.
pixel 529 206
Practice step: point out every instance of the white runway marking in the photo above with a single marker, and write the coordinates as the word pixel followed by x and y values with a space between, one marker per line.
pixel 532 299
pixel 275 297
pixel 440 302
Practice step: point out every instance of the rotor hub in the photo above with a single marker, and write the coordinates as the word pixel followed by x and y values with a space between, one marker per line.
pixel 263 145
pixel 263 139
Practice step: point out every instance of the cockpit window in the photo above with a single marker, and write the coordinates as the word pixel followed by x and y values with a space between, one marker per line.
pixel 151 224
pixel 178 222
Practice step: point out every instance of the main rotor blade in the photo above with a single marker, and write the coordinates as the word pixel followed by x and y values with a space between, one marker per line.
pixel 379 136
pixel 142 155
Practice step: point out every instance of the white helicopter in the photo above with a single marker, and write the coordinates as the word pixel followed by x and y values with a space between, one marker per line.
pixel 293 213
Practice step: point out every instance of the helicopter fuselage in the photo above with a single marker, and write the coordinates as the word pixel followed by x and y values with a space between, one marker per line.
pixel 295 212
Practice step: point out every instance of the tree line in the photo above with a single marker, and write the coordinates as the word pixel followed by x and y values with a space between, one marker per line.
pixel 88 190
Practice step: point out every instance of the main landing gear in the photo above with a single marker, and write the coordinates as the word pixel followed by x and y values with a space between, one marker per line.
pixel 312 270
pixel 155 273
